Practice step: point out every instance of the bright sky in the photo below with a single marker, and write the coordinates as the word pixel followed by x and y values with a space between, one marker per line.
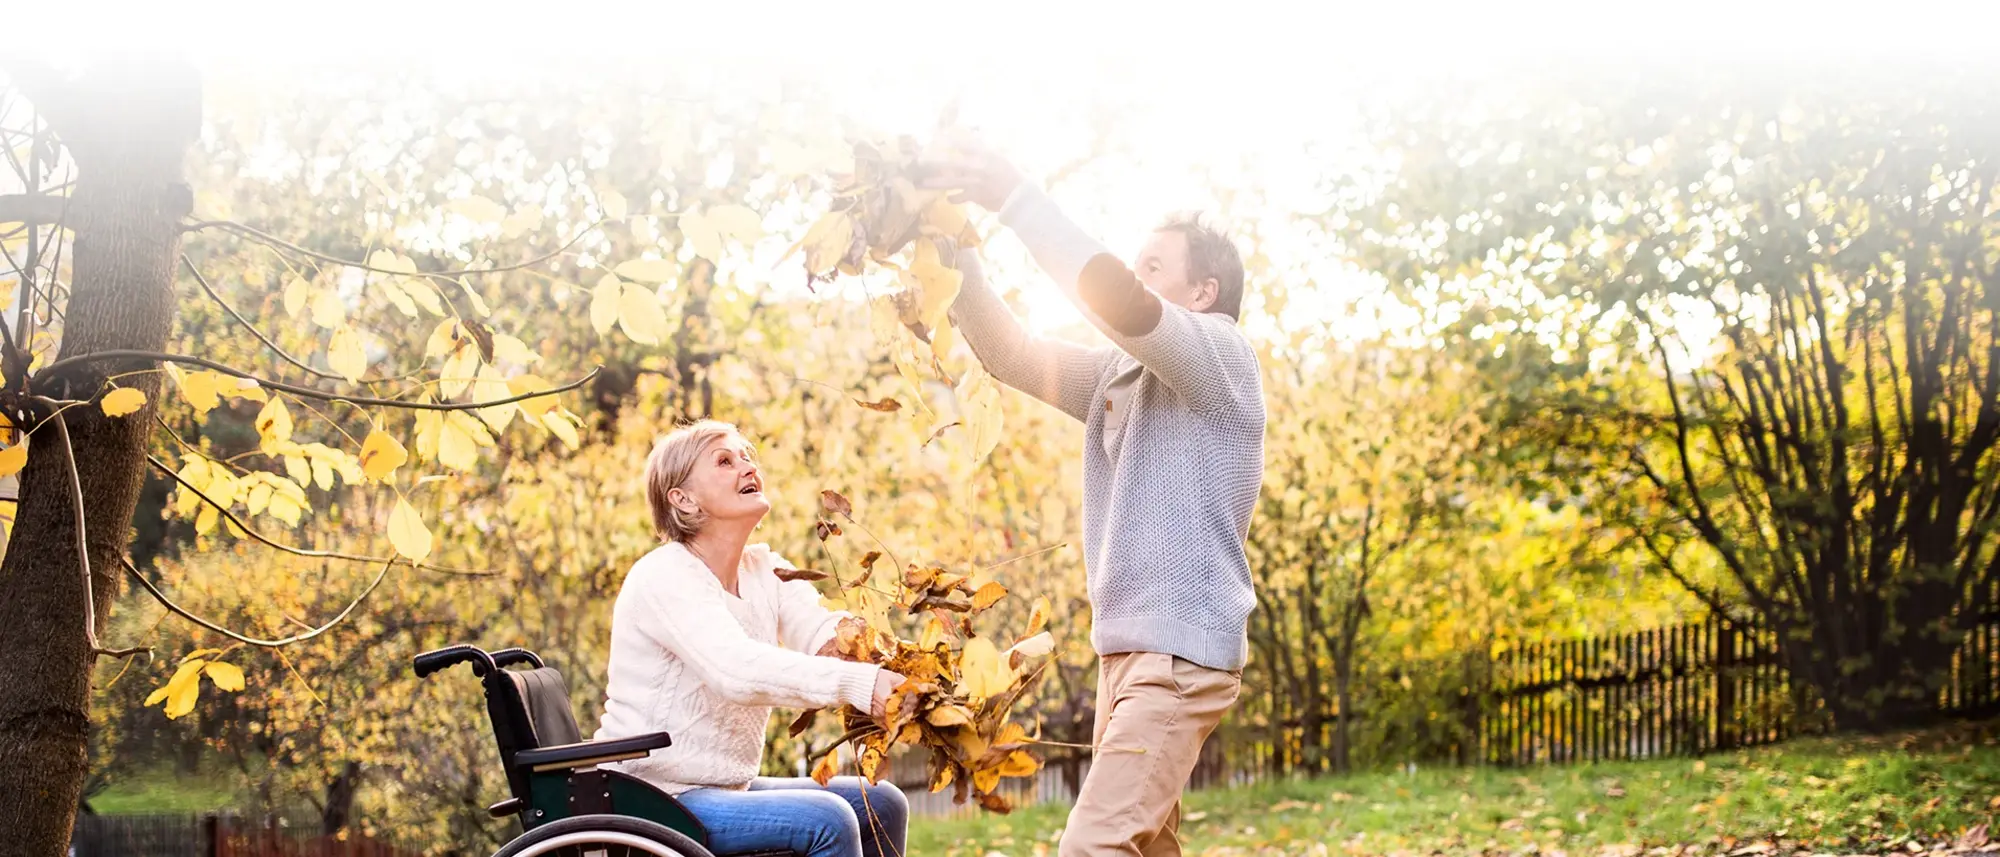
pixel 1213 94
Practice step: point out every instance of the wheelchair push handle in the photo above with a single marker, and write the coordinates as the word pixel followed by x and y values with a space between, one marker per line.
pixel 450 656
pixel 510 657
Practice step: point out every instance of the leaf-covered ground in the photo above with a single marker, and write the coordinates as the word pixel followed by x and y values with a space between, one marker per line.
pixel 1921 792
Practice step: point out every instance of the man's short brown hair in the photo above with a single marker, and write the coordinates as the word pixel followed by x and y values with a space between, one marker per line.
pixel 1210 254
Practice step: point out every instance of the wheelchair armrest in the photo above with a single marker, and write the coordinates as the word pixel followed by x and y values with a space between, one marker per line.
pixel 584 753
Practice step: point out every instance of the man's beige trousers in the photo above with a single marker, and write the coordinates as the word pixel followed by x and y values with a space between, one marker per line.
pixel 1131 801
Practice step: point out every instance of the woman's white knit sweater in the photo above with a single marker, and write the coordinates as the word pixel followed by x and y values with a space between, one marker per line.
pixel 707 667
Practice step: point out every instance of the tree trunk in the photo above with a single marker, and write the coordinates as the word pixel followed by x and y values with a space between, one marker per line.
pixel 128 129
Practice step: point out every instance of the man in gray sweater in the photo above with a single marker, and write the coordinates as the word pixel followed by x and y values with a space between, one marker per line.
pixel 1173 460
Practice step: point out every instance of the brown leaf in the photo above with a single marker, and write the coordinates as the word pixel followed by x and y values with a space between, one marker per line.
pixel 1972 839
pixel 919 578
pixel 868 559
pixel 826 529
pixel 835 504
pixel 823 770
pixel 887 406
pixel 933 602
pixel 997 804
pixel 482 335
pixel 988 595
pixel 804 722
pixel 805 574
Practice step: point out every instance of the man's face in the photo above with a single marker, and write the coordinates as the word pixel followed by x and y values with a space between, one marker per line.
pixel 1163 267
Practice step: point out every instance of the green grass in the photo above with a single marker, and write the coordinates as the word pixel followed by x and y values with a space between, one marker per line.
pixel 164 791
pixel 1867 793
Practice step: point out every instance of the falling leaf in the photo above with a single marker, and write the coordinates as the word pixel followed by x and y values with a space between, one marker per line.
pixel 805 574
pixel 826 529
pixel 344 354
pixel 122 401
pixel 982 672
pixel 225 676
pixel 604 303
pixel 868 560
pixel 641 317
pixel 1035 646
pixel 1038 615
pixel 804 722
pixel 407 531
pixel 826 242
pixel 887 406
pixel 381 454
pixel 702 235
pixel 835 504
pixel 939 431
pixel 988 595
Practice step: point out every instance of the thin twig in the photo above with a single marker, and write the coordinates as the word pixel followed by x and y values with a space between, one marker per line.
pixel 268 343
pixel 82 542
pixel 295 674
pixel 275 241
pixel 1028 555
pixel 308 392
pixel 163 467
pixel 266 644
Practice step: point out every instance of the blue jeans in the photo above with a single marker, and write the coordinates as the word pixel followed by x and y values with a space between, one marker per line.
pixel 846 818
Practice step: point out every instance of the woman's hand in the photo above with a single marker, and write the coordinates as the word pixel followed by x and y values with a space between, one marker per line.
pixel 886 683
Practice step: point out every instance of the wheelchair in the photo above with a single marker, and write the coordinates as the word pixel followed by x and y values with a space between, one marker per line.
pixel 568 805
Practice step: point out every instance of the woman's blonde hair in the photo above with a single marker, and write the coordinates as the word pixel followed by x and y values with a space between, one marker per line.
pixel 668 467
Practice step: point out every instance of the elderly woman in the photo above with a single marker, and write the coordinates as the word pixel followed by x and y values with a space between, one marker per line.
pixel 706 640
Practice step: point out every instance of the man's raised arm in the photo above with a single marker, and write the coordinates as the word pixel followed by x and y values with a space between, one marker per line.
pixel 1062 374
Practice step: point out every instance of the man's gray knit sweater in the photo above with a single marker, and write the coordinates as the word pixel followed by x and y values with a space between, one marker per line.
pixel 1173 456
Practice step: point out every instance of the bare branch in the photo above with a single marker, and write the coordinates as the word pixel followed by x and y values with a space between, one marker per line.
pixel 82 542
pixel 308 392
pixel 163 467
pixel 34 209
pixel 217 297
pixel 252 641
pixel 274 241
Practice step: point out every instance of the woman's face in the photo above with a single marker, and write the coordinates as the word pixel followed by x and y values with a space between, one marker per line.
pixel 726 484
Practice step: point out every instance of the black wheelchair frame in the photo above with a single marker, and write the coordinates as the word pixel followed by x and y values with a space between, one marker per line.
pixel 552 772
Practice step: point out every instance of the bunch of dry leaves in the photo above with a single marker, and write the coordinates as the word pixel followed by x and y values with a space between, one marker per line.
pixel 960 684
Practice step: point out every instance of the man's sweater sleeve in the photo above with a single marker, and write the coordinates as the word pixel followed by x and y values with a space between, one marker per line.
pixel 1060 373
pixel 1202 357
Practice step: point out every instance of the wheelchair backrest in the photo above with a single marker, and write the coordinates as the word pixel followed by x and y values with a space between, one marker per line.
pixel 529 709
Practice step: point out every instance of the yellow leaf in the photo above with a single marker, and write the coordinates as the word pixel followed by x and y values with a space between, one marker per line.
pixel 479 306
pixel 122 401
pixel 194 472
pixel 509 349
pixel 640 315
pixel 942 339
pixel 430 428
pixel 389 260
pixel 604 303
pixel 260 494
pixel 407 531
pixel 950 715
pixel 225 676
pixel 459 443
pixel 204 523
pixel 274 425
pixel 460 370
pixel 445 339
pixel 491 386
pixel 244 388
pixel 322 473
pixel 521 385
pixel 200 390
pixel 614 205
pixel 181 691
pixel 344 354
pixel 297 467
pixel 424 294
pixel 327 309
pixel 988 595
pixel 392 288
pixel 478 209
pixel 525 219
pixel 737 222
pixel 648 270
pixel 702 235
pixel 940 283
pixel 932 635
pixel 288 500
pixel 824 769
pixel 942 779
pixel 982 671
pixel 1019 764
pixel 985 780
pixel 297 291
pixel 1038 615
pixel 15 457
pixel 826 242
pixel 381 454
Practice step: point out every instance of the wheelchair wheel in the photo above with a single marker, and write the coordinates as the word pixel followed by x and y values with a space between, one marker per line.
pixel 603 836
